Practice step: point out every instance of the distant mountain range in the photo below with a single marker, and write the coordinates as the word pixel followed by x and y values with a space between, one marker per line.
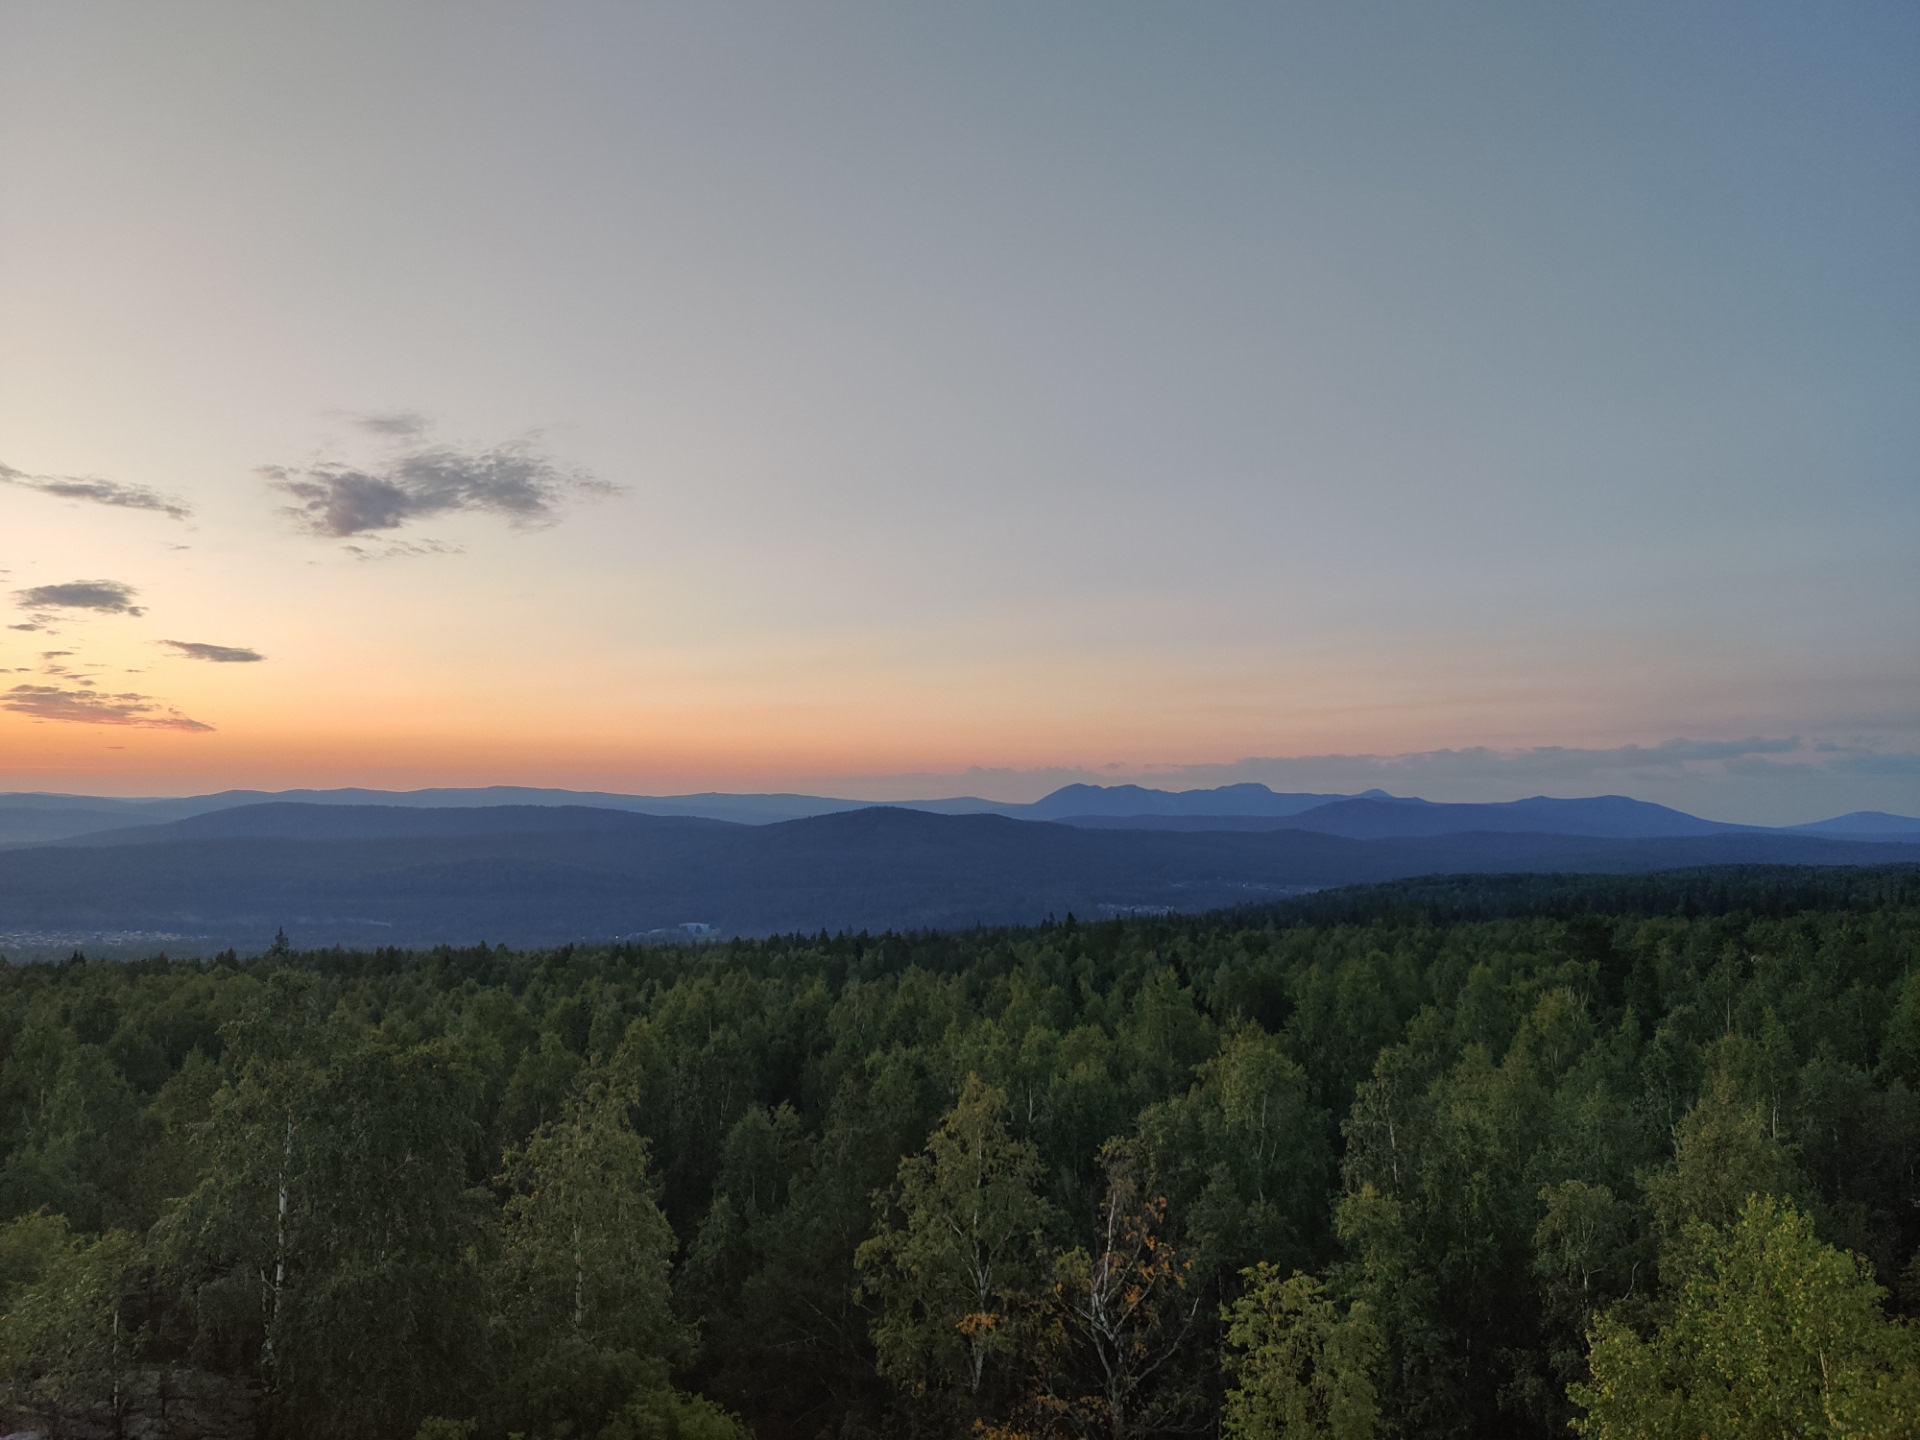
pixel 334 872
pixel 29 818
pixel 1374 814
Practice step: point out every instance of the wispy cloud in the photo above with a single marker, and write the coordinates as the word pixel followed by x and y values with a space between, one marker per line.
pixel 516 481
pixel 1849 761
pixel 80 705
pixel 220 654
pixel 101 492
pixel 399 549
pixel 1541 765
pixel 107 596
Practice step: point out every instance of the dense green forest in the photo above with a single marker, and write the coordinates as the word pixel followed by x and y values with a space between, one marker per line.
pixel 1471 1158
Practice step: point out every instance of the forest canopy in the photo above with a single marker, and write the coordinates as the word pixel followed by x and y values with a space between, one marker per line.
pixel 1478 1157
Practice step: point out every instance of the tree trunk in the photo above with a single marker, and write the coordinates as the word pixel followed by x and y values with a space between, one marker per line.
pixel 579 1282
pixel 279 1250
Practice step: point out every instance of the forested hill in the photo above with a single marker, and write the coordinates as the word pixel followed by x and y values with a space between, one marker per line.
pixel 543 875
pixel 1445 1158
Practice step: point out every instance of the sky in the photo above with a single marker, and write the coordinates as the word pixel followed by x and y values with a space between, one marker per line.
pixel 1472 400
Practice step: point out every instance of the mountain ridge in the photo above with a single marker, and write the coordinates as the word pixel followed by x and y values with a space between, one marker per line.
pixel 33 818
pixel 543 875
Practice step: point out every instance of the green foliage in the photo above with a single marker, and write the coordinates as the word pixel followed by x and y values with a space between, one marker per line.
pixel 1771 1333
pixel 1723 1153
pixel 70 1335
pixel 1243 1155
pixel 335 1233
pixel 662 1413
pixel 1582 1249
pixel 959 1273
pixel 582 1285
pixel 1305 1370
pixel 898 1185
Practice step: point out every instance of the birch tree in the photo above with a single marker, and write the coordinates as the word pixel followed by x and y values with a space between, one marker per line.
pixel 332 1247
pixel 70 1327
pixel 1771 1332
pixel 957 1261
pixel 1130 1302
pixel 584 1283
pixel 1305 1370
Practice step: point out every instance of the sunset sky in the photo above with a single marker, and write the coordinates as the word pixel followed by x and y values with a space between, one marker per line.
pixel 1472 400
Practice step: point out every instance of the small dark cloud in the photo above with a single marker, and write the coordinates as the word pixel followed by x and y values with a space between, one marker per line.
pixel 30 626
pixel 85 706
pixel 221 654
pixel 395 424
pixel 100 492
pixel 515 481
pixel 54 654
pixel 107 596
